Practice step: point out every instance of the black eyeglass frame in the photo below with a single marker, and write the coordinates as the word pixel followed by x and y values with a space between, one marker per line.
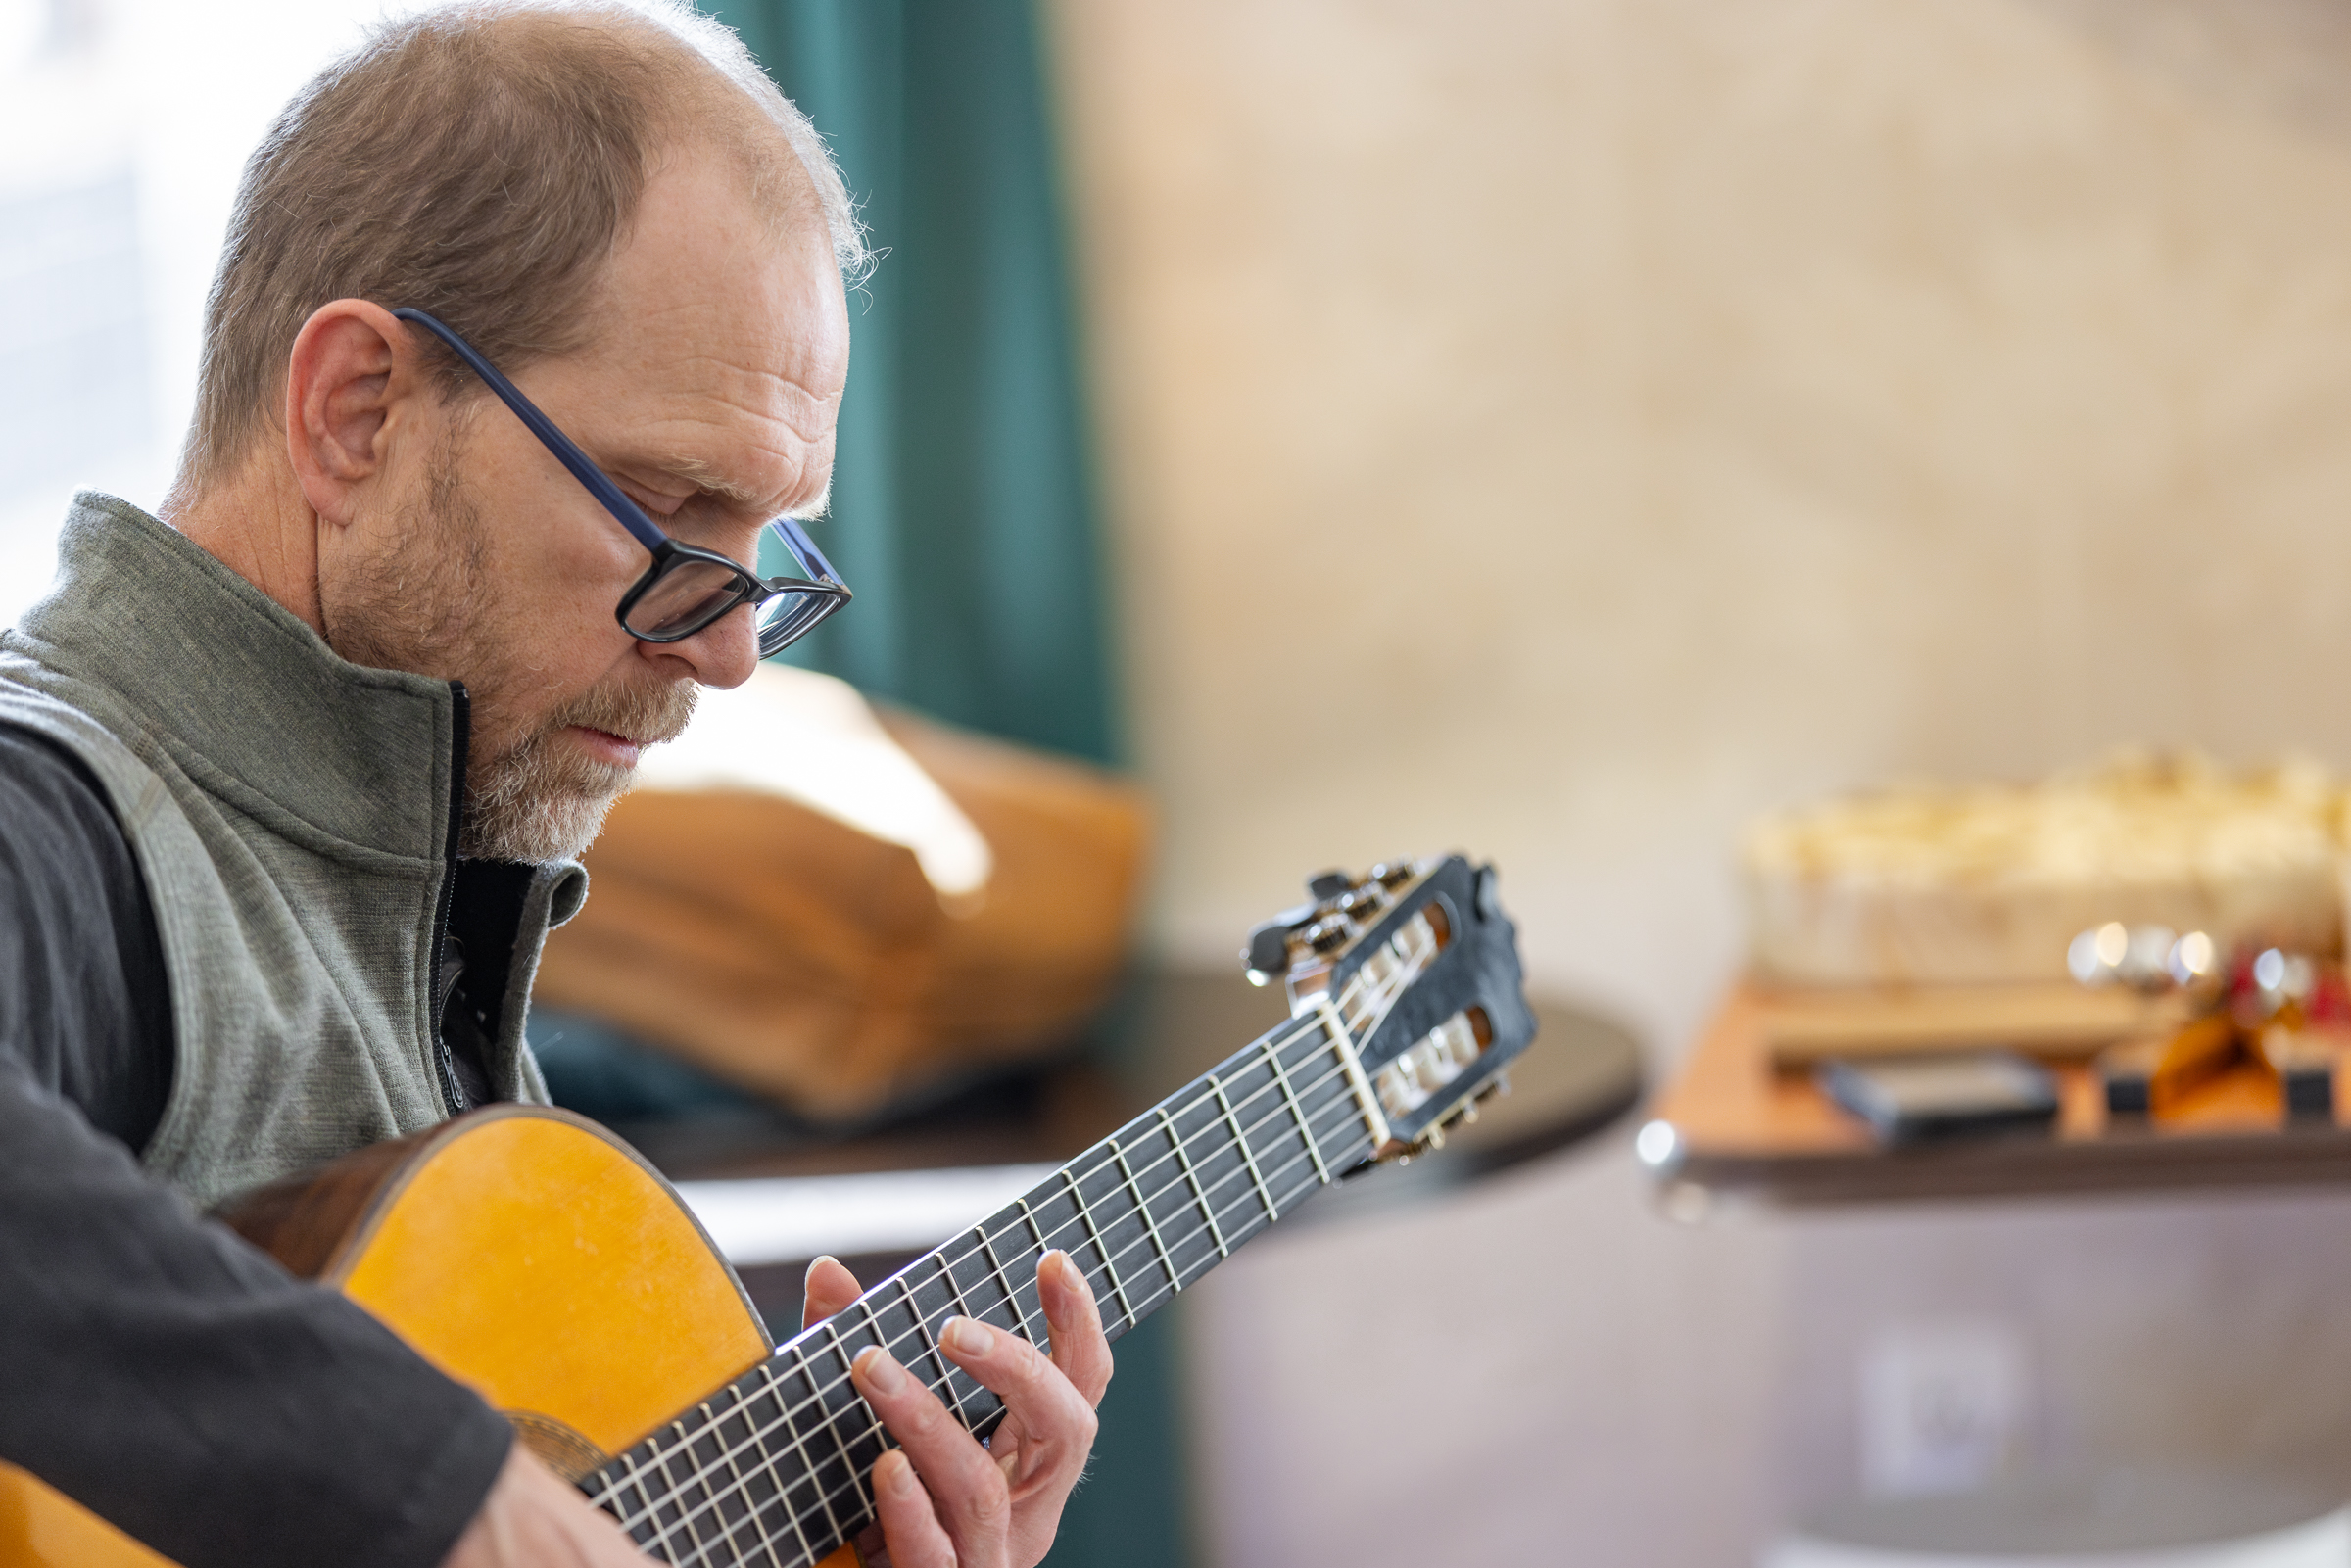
pixel 816 598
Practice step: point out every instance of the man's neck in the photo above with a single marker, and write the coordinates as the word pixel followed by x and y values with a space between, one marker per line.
pixel 257 523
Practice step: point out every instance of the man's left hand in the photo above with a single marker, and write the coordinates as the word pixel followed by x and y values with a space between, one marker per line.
pixel 943 1501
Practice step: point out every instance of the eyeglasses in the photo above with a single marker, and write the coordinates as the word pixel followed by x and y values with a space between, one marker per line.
pixel 686 587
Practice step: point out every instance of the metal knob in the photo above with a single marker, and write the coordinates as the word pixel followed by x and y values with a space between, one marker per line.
pixel 1268 949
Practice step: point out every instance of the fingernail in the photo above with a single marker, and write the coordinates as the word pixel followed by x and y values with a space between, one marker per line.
pixel 900 1479
pixel 886 1375
pixel 1072 1278
pixel 1059 1273
pixel 968 1338
pixel 818 1262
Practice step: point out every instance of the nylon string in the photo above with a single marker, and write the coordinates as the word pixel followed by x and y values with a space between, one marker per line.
pixel 1358 1003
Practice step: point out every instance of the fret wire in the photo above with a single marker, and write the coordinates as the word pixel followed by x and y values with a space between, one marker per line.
pixel 638 1476
pixel 1036 1230
pixel 923 1335
pixel 1240 1141
pixel 1317 1043
pixel 963 1309
pixel 737 1488
pixel 1267 1050
pixel 702 1473
pixel 1012 1296
pixel 1083 1217
pixel 1199 1194
pixel 1086 1217
pixel 872 1326
pixel 767 1462
pixel 1166 1262
pixel 668 1494
pixel 857 1482
pixel 808 1461
pixel 1036 1234
pixel 1306 1184
pixel 1283 1079
pixel 677 1487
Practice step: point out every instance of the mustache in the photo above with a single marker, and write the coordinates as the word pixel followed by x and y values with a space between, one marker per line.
pixel 646 715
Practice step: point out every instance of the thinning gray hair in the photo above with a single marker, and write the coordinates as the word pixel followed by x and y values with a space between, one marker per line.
pixel 482 162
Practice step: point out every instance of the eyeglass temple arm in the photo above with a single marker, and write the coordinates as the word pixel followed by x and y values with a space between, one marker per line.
pixel 792 533
pixel 624 511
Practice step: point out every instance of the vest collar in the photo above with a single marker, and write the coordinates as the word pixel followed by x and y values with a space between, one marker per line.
pixel 241 693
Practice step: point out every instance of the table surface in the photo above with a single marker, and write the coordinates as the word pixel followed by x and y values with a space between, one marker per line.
pixel 1739 1125
pixel 1581 1074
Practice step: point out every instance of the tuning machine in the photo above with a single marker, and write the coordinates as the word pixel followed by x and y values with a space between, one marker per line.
pixel 1342 908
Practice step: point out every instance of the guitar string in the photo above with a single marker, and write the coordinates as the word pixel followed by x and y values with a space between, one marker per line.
pixel 1345 1111
pixel 662 1455
pixel 1307 1025
pixel 855 1481
pixel 716 1497
pixel 1355 996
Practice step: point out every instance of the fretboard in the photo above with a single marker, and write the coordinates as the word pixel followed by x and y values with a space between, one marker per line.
pixel 774 1468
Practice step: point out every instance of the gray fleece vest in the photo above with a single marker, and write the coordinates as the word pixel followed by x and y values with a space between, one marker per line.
pixel 295 816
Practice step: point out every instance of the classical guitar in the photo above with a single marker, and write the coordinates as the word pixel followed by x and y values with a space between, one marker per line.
pixel 532 1254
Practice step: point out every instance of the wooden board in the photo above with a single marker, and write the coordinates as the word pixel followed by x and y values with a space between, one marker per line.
pixel 2064 1023
pixel 1741 1123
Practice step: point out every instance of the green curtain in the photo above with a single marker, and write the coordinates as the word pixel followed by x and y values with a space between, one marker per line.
pixel 962 498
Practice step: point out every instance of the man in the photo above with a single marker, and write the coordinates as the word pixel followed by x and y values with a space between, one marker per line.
pixel 291 780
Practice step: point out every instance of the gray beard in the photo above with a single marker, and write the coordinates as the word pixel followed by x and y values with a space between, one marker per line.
pixel 539 798
pixel 542 799
pixel 532 802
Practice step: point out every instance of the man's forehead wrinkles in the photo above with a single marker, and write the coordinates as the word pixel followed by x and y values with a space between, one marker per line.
pixel 740 386
pixel 721 456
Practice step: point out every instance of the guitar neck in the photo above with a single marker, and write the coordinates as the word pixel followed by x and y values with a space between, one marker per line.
pixel 774 1467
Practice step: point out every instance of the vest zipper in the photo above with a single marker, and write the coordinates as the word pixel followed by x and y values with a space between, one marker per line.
pixel 460 726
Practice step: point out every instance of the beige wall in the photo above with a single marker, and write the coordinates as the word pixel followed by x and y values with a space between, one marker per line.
pixel 1562 428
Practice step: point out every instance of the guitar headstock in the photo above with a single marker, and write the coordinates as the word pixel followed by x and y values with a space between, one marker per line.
pixel 1416 963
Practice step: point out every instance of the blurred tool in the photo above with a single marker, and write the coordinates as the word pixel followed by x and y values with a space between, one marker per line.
pixel 1942 1097
pixel 2277 1013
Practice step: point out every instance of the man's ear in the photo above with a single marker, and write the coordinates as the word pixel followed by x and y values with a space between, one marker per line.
pixel 354 382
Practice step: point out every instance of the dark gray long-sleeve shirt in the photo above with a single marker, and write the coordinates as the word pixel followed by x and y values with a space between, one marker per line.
pixel 152 1366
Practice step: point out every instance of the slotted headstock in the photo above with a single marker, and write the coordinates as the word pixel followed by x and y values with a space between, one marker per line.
pixel 1414 967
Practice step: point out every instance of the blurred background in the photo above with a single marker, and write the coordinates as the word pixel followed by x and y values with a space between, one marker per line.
pixel 1558 430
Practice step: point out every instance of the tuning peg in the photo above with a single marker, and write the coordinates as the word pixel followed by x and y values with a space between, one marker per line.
pixel 1489 899
pixel 1390 873
pixel 1327 936
pixel 1328 885
pixel 1268 949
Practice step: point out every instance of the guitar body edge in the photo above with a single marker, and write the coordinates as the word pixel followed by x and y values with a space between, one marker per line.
pixel 525 1252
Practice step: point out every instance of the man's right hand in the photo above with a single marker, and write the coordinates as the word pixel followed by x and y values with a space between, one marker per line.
pixel 533 1518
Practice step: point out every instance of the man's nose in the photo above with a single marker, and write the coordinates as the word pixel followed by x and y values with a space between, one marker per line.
pixel 722 655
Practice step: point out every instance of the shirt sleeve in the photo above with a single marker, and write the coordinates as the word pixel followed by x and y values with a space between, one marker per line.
pixel 152 1366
